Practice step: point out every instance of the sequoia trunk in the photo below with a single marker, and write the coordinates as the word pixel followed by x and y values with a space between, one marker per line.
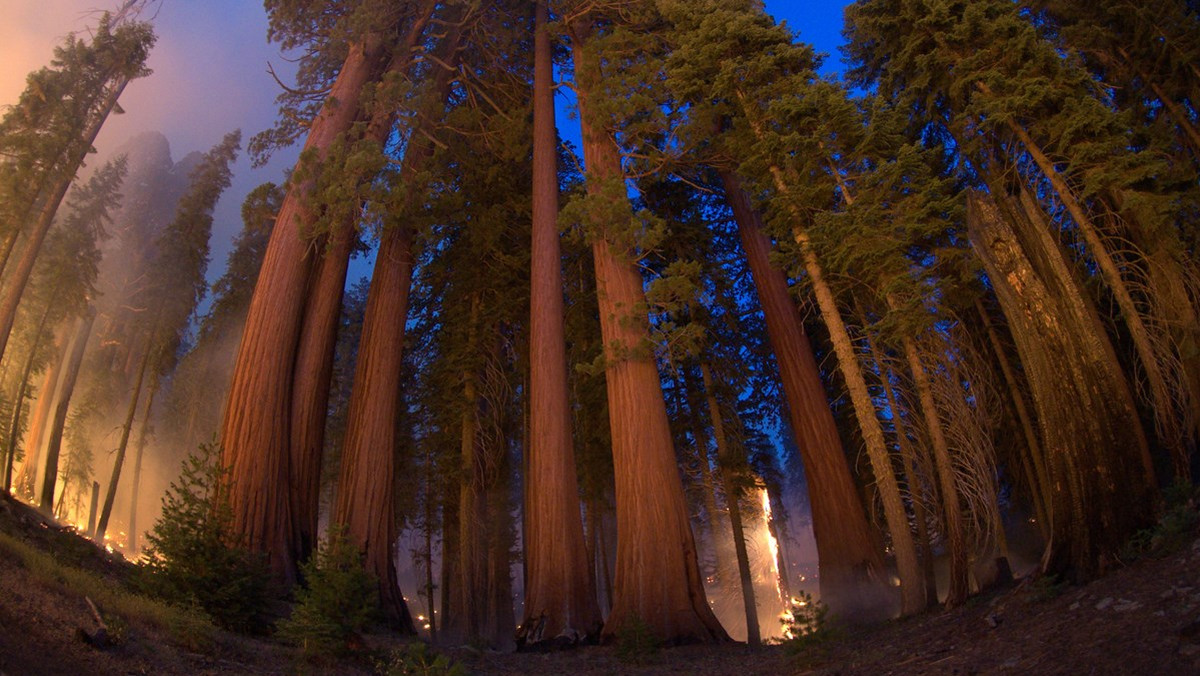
pixel 851 567
pixel 658 579
pixel 560 597
pixel 1089 429
pixel 256 431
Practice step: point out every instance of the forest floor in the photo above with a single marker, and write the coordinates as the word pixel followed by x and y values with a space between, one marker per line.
pixel 1141 619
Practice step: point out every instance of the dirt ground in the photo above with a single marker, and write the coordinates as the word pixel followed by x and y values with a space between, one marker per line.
pixel 1141 619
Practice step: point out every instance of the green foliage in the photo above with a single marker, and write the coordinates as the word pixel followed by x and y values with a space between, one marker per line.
pixel 191 559
pixel 417 659
pixel 339 599
pixel 1175 529
pixel 636 642
pixel 805 624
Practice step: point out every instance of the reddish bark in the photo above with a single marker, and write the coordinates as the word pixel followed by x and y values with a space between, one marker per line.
pixel 310 391
pixel 559 594
pixel 365 495
pixel 366 488
pixel 850 566
pixel 657 577
pixel 255 433
pixel 318 335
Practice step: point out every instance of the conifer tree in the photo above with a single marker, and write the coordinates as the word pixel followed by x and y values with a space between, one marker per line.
pixel 179 285
pixel 657 577
pixel 70 101
pixel 257 426
pixel 560 596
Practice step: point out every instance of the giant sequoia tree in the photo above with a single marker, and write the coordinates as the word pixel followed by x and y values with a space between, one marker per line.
pixel 657 576
pixel 560 595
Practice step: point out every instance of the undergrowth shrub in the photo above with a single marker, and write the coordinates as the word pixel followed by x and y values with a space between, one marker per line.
pixel 805 624
pixel 1175 528
pixel 338 601
pixel 417 659
pixel 192 560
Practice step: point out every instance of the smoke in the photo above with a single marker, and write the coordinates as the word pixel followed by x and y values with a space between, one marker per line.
pixel 210 77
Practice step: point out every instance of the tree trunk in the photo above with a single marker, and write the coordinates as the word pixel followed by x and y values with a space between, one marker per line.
pixel 16 282
pixel 310 390
pixel 27 477
pixel 318 336
pixel 1138 331
pixel 449 572
pixel 850 566
pixel 366 495
pixel 908 455
pixel 560 598
pixel 14 427
pixel 256 431
pixel 63 396
pixel 132 545
pixel 719 536
pixel 111 493
pixel 470 591
pixel 658 580
pixel 912 597
pixel 1090 432
pixel 93 507
pixel 1033 459
pixel 957 586
pixel 365 498
pixel 733 495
